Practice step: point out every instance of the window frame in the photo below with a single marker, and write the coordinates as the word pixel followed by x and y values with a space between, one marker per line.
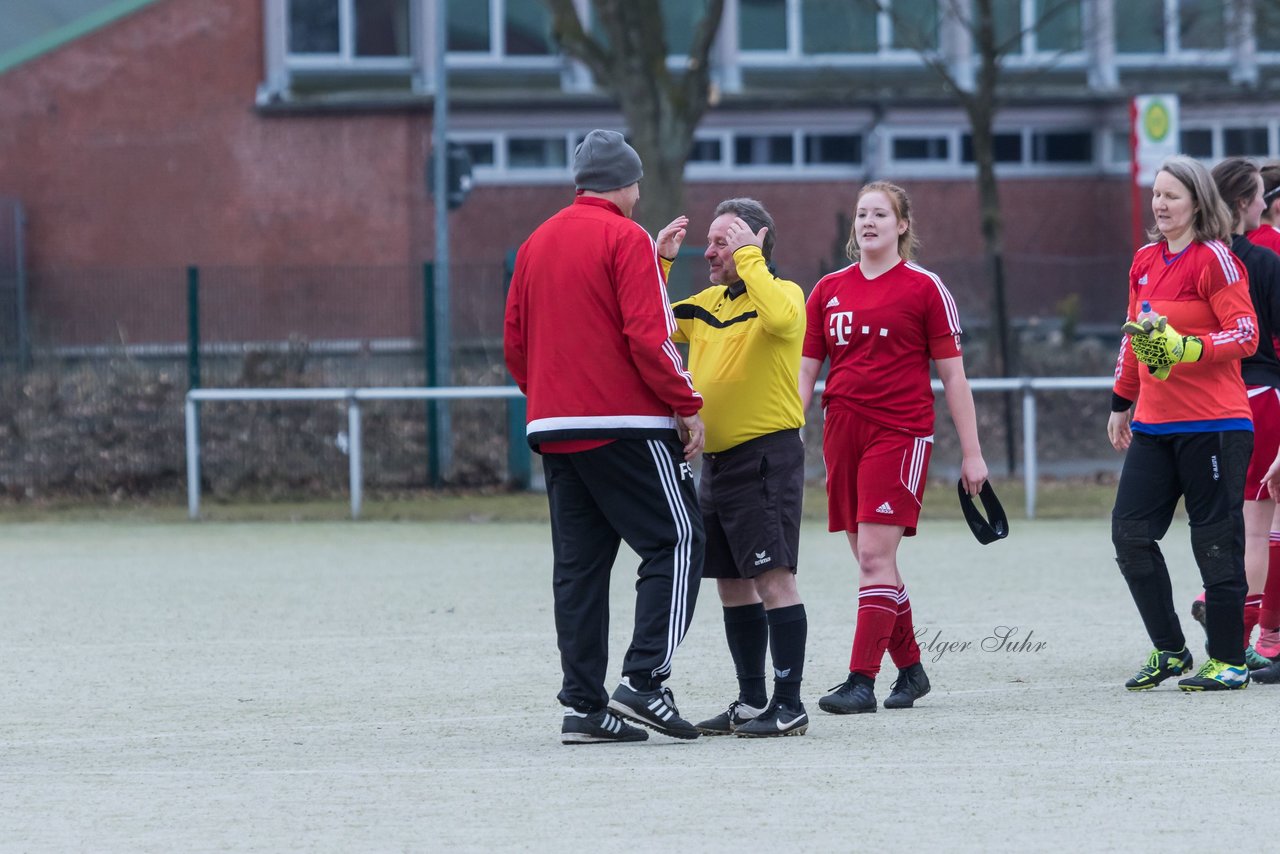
pixel 794 53
pixel 346 59
pixel 1173 49
pixel 497 53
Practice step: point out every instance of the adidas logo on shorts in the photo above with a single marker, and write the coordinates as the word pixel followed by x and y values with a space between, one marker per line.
pixel 885 508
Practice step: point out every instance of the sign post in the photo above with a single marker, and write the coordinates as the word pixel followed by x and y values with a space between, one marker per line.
pixel 1153 136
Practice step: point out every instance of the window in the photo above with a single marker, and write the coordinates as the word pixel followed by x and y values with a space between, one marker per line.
pixel 680 18
pixel 1197 142
pixel 1245 142
pixel 1201 25
pixel 1267 26
pixel 481 152
pixel 833 148
pixel 1140 26
pixel 349 30
pixel 1062 147
pixel 1058 27
pixel 837 26
pixel 800 28
pixel 706 151
pixel 497 28
pixel 537 152
pixel 921 148
pixel 1008 148
pixel 764 150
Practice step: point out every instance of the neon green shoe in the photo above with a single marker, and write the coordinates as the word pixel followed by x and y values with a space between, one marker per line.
pixel 1215 675
pixel 1161 665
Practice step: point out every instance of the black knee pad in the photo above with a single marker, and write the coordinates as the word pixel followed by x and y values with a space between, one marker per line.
pixel 1217 554
pixel 1134 546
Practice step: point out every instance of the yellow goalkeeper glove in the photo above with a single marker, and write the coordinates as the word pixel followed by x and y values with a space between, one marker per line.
pixel 1159 346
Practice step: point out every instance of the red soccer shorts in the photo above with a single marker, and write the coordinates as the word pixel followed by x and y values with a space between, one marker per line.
pixel 1265 403
pixel 874 474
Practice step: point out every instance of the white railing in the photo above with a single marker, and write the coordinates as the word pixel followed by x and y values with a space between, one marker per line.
pixel 353 397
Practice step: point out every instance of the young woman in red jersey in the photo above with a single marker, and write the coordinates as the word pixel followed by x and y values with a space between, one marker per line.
pixel 1191 434
pixel 1240 184
pixel 880 322
pixel 1267 232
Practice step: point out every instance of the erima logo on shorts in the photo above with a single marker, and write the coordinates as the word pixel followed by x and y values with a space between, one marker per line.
pixel 885 508
pixel 1214 461
pixel 762 557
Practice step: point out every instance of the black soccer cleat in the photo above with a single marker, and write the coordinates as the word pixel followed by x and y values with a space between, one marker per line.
pixel 728 721
pixel 779 719
pixel 655 709
pixel 1269 675
pixel 912 684
pixel 1161 665
pixel 602 727
pixel 853 697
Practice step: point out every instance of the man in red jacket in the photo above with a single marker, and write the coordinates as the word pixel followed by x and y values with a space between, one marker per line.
pixel 614 413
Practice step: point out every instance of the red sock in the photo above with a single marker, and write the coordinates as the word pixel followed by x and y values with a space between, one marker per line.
pixel 903 648
pixel 1269 613
pixel 1252 607
pixel 877 612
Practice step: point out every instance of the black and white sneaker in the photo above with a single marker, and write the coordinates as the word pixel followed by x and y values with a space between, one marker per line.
pixel 777 720
pixel 727 722
pixel 655 709
pixel 597 728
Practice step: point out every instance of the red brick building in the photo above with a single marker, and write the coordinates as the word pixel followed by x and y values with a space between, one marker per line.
pixel 268 141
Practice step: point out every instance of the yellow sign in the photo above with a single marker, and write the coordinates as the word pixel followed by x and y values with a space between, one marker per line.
pixel 1156 121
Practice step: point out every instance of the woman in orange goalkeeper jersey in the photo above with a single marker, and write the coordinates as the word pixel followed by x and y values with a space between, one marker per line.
pixel 1191 433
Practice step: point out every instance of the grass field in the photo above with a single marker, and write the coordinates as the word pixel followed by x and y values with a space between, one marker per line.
pixel 390 686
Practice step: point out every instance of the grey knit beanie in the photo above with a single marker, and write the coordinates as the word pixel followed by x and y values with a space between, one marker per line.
pixel 603 161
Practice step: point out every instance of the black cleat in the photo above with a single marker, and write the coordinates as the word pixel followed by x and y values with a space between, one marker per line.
pixel 778 719
pixel 855 696
pixel 1269 675
pixel 600 727
pixel 655 709
pixel 911 685
pixel 728 721
pixel 1161 665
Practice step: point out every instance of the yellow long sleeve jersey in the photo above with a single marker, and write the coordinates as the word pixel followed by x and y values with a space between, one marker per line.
pixel 744 352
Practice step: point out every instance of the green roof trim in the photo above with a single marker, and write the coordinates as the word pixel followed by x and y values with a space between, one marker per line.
pixel 70 32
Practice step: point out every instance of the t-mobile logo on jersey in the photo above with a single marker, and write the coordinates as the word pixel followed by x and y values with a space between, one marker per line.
pixel 840 324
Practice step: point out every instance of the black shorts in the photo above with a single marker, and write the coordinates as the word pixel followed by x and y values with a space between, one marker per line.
pixel 751 498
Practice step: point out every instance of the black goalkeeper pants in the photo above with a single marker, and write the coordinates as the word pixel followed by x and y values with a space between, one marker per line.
pixel 1208 470
pixel 637 490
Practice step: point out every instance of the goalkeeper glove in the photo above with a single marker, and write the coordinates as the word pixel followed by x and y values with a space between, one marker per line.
pixel 1159 346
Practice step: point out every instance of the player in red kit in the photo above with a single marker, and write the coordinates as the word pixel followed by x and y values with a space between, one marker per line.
pixel 1267 232
pixel 1191 433
pixel 880 322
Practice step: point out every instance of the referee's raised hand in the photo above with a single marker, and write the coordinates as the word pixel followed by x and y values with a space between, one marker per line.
pixel 739 234
pixel 692 433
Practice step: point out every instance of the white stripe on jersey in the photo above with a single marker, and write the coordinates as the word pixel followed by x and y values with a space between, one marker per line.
pixel 953 314
pixel 1226 259
pixel 617 422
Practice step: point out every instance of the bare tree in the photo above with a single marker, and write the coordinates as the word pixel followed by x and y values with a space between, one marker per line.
pixel 627 56
pixel 981 103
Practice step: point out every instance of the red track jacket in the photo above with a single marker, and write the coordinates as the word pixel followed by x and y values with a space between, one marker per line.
pixel 588 330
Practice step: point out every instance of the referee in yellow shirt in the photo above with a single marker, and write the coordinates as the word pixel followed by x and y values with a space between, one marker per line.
pixel 744 335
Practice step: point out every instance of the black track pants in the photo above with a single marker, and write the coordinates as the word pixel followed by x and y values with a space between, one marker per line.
pixel 640 491
pixel 1208 470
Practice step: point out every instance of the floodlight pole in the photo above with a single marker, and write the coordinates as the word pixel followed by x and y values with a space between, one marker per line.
pixel 440 164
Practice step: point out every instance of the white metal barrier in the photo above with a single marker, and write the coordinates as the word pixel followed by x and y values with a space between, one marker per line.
pixel 1028 386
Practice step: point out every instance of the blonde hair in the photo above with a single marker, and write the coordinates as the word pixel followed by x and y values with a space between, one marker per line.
pixel 1210 220
pixel 908 243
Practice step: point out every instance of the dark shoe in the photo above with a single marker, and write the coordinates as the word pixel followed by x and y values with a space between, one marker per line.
pixel 1161 665
pixel 597 728
pixel 1254 660
pixel 1215 675
pixel 777 720
pixel 854 697
pixel 655 709
pixel 727 722
pixel 1269 675
pixel 911 685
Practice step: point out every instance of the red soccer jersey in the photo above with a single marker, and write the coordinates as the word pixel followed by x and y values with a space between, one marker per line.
pixel 1265 235
pixel 880 335
pixel 1204 291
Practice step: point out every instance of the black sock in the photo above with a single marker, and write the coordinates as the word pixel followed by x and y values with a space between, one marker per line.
pixel 788 629
pixel 747 630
